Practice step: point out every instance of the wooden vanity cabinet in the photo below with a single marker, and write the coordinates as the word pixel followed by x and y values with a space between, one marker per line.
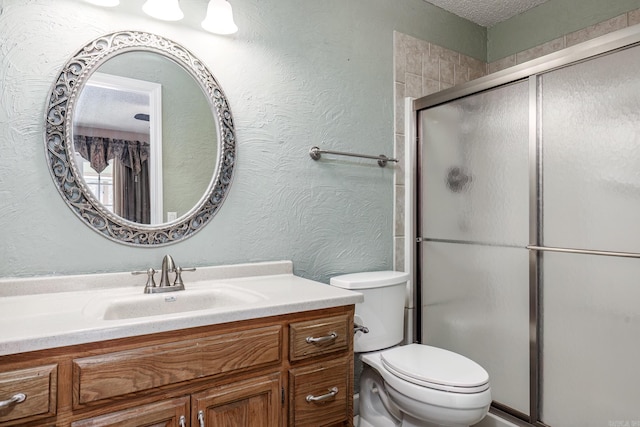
pixel 290 370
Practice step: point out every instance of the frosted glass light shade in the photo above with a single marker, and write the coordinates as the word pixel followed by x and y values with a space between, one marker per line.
pixel 166 10
pixel 107 3
pixel 219 18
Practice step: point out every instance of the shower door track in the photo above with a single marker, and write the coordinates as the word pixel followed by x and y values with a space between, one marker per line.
pixel 530 71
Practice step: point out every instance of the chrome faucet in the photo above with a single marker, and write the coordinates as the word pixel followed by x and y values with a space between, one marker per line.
pixel 168 266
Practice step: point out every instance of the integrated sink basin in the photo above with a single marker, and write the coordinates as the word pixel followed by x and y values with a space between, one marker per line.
pixel 125 305
pixel 58 311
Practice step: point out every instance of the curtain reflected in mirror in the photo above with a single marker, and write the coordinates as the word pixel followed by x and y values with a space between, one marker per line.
pixel 118 174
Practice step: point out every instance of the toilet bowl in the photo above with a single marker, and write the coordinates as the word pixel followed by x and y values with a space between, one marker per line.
pixel 426 384
pixel 412 385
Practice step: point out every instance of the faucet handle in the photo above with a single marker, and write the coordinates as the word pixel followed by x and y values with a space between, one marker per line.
pixel 151 283
pixel 178 281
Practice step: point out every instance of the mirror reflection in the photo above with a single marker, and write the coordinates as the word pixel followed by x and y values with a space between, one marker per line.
pixel 140 139
pixel 144 138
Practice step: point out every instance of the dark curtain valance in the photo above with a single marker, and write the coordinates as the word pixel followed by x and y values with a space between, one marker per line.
pixel 131 198
pixel 99 151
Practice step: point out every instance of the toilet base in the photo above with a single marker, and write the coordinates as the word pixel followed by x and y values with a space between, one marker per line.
pixel 406 422
pixel 380 404
pixel 364 423
pixel 375 412
pixel 409 421
pixel 372 410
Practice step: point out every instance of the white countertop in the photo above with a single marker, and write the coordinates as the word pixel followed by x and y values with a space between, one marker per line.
pixel 42 313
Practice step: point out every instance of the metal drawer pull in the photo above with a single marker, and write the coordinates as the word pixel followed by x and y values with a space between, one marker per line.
pixel 332 336
pixel 201 418
pixel 16 398
pixel 332 392
pixel 183 421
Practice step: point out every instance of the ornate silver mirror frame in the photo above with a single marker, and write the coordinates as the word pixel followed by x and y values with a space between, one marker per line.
pixel 59 141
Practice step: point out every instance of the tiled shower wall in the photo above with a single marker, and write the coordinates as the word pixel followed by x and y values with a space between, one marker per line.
pixel 423 68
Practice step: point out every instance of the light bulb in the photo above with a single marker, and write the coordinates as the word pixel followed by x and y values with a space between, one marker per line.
pixel 166 10
pixel 219 18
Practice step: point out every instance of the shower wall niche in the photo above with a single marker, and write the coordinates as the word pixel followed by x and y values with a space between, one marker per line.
pixel 529 231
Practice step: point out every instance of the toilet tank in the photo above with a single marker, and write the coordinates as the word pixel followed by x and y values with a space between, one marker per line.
pixel 382 311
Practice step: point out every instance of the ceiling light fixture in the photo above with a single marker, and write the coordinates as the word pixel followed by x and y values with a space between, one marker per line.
pixel 219 19
pixel 166 10
pixel 107 3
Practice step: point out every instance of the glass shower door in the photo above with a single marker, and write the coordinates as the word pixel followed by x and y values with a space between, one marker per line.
pixel 590 116
pixel 474 194
pixel 546 297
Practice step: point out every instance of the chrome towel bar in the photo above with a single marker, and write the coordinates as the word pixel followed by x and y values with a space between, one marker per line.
pixel 315 153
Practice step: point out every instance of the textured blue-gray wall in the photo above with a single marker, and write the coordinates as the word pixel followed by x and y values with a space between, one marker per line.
pixel 298 73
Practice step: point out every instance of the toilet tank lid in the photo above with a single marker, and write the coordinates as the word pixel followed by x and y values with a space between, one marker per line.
pixel 371 279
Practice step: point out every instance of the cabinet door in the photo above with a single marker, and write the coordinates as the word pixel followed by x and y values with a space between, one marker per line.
pixel 252 403
pixel 169 413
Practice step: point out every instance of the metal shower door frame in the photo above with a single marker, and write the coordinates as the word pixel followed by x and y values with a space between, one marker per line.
pixel 530 71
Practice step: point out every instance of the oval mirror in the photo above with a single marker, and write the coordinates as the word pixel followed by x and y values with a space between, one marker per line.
pixel 140 139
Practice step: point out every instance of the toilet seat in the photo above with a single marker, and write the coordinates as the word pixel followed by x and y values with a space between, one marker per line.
pixel 435 368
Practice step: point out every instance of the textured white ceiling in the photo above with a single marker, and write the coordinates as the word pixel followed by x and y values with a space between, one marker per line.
pixel 486 12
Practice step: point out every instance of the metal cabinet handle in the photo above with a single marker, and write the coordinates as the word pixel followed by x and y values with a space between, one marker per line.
pixel 332 392
pixel 319 340
pixel 16 398
pixel 183 421
pixel 201 418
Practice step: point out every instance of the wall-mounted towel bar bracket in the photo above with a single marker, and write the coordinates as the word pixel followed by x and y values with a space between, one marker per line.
pixel 315 153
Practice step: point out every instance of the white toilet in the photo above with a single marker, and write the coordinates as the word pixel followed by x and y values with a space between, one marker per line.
pixel 413 385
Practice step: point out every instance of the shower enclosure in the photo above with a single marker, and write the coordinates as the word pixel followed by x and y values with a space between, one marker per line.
pixel 529 232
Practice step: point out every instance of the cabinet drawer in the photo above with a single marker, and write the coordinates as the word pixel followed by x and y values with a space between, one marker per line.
pixel 319 394
pixel 116 374
pixel 320 336
pixel 39 387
